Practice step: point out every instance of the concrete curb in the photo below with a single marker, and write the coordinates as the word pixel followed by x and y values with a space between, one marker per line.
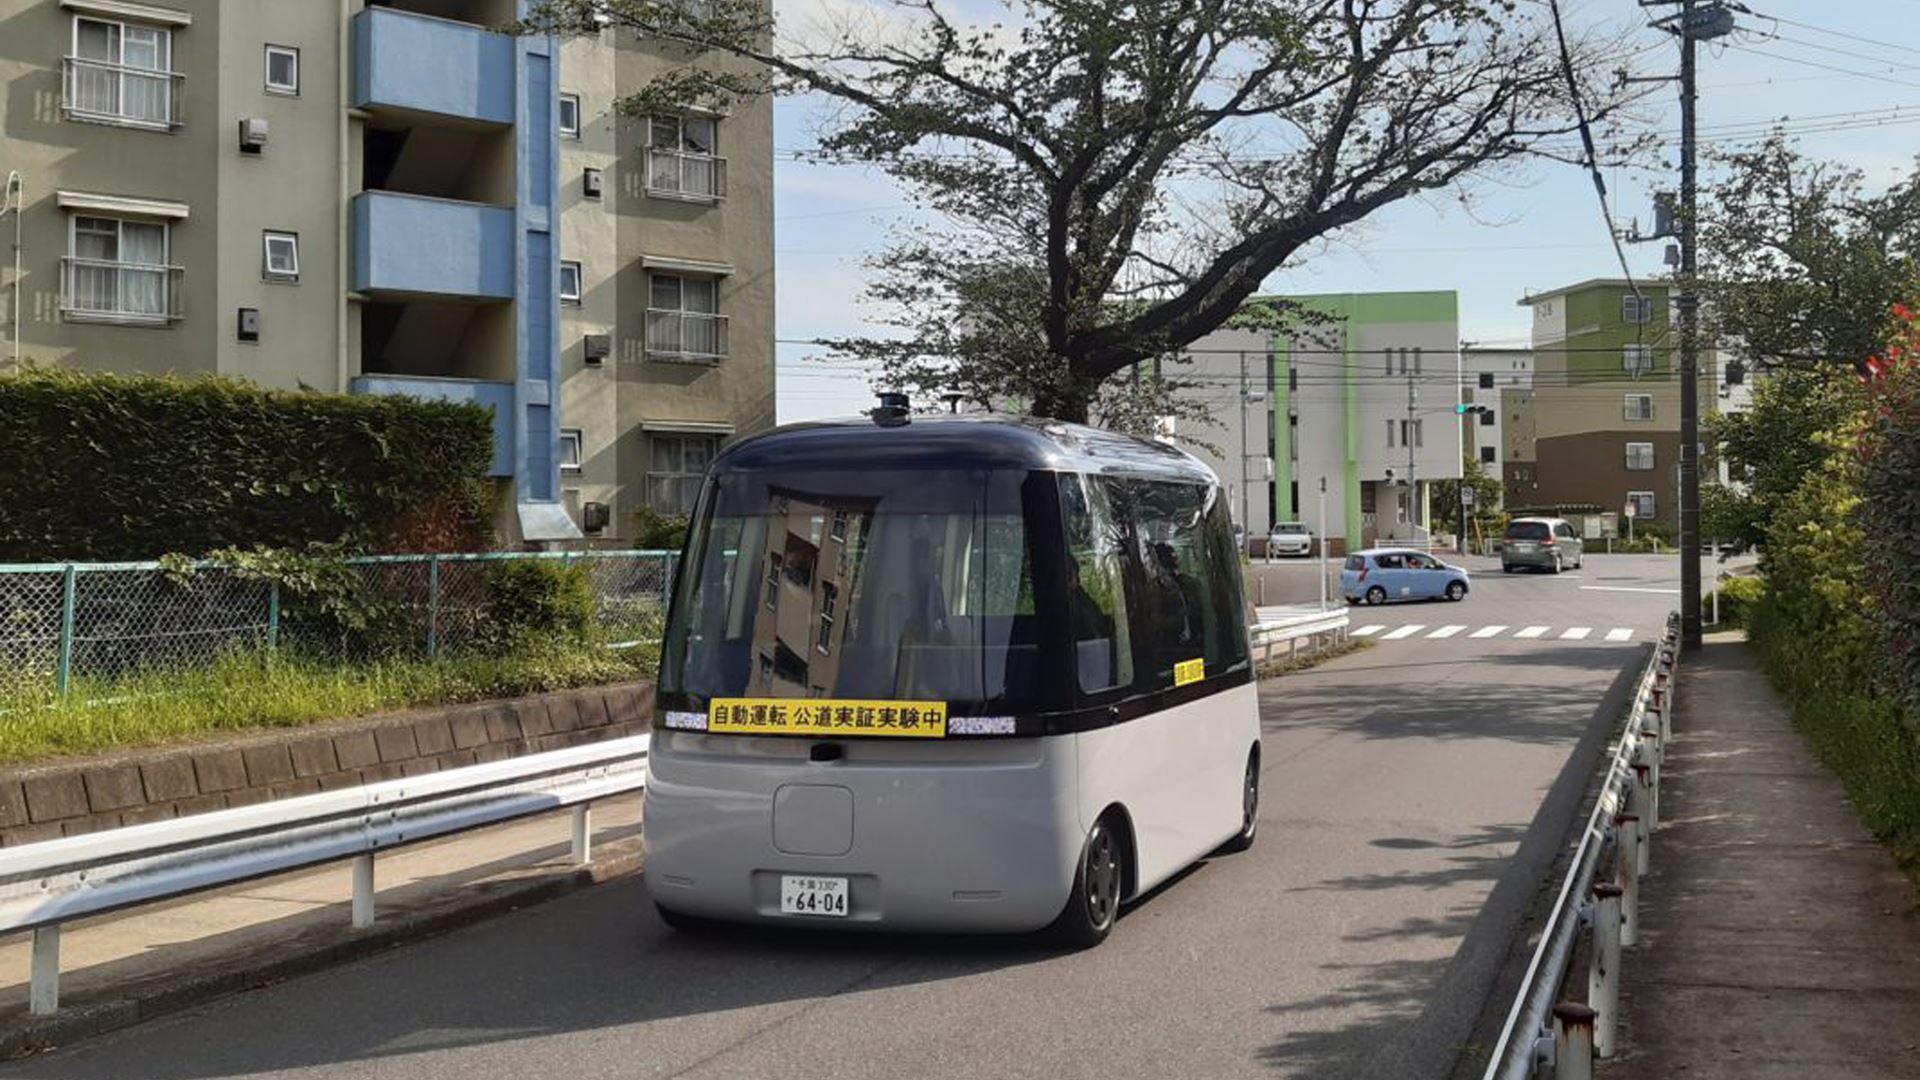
pixel 308 952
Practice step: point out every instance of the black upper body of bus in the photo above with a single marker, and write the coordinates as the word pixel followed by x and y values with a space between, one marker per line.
pixel 1061 576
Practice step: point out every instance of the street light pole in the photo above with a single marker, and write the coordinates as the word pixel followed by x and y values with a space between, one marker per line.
pixel 1323 543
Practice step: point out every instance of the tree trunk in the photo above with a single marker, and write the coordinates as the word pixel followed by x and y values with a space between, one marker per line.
pixel 1072 403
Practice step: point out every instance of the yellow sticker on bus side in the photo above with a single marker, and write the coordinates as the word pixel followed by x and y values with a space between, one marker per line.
pixel 819 716
pixel 1189 671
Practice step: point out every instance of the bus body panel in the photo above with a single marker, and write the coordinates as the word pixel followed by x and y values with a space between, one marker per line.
pixel 945 834
pixel 1178 774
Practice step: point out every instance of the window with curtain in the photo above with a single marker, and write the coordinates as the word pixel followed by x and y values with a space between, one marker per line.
pixel 121 71
pixel 118 267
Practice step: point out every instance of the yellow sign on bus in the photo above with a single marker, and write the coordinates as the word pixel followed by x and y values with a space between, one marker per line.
pixel 819 716
pixel 1189 671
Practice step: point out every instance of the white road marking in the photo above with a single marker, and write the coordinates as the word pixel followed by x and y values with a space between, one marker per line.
pixel 1446 632
pixel 1366 631
pixel 1531 632
pixel 1576 633
pixel 1628 588
pixel 1619 634
pixel 1403 632
pixel 1488 631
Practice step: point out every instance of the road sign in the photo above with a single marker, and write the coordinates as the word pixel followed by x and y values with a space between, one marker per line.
pixel 1629 510
pixel 1468 496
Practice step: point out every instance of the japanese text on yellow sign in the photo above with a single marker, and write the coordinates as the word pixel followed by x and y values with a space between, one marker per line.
pixel 1189 671
pixel 775 716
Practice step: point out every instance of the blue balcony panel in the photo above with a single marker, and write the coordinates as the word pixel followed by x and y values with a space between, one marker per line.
pixel 497 396
pixel 416 246
pixel 428 65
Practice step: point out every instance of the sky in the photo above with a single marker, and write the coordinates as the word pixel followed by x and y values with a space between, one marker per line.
pixel 1844 73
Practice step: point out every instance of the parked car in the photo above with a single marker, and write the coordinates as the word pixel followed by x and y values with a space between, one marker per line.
pixel 1289 538
pixel 1543 544
pixel 1386 575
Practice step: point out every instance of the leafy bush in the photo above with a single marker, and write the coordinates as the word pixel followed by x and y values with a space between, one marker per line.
pixel 1890 513
pixel 1738 598
pixel 131 467
pixel 653 531
pixel 532 600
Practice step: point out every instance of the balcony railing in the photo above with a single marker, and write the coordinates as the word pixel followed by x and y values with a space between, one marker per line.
pixel 679 174
pixel 105 291
pixel 686 336
pixel 117 94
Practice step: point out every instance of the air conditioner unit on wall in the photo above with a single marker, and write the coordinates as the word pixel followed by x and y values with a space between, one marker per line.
pixel 253 134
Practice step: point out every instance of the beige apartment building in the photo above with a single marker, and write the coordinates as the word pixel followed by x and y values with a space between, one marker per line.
pixel 393 197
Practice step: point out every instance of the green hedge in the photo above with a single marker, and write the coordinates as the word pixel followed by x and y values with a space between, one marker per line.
pixel 103 467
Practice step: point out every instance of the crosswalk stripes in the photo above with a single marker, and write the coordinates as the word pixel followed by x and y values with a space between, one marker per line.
pixel 1387 632
pixel 1406 631
pixel 1488 631
pixel 1619 633
pixel 1576 633
pixel 1366 631
pixel 1533 631
pixel 1446 632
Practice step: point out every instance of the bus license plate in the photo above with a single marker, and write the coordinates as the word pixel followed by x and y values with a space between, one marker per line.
pixel 825 896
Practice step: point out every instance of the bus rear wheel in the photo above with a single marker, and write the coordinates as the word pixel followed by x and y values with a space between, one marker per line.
pixel 1094 903
pixel 1249 808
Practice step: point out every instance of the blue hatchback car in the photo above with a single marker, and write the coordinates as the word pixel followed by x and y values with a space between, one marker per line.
pixel 1384 575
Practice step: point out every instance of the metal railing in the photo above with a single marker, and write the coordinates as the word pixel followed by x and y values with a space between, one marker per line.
pixel 56 881
pixel 120 291
pixel 64 622
pixel 117 94
pixel 1292 628
pixel 1540 1028
pixel 686 175
pixel 689 336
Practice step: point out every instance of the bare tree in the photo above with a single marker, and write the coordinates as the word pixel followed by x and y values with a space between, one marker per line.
pixel 1116 179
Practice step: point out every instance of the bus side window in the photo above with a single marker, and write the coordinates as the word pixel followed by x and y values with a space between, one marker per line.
pixel 1096 594
pixel 1193 603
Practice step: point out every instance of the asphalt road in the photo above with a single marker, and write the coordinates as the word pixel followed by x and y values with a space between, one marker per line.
pixel 1399 782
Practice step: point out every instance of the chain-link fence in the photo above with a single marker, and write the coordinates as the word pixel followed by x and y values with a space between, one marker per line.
pixel 64 622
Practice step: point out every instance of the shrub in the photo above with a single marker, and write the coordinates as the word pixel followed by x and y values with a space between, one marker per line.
pixel 653 531
pixel 535 600
pixel 1738 598
pixel 132 467
pixel 1890 513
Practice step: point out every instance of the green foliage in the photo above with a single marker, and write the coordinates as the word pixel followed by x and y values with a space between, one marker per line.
pixel 248 690
pixel 1786 433
pixel 1812 561
pixel 530 600
pixel 130 467
pixel 1093 209
pixel 654 531
pixel 1730 514
pixel 1485 518
pixel 1890 514
pixel 1739 596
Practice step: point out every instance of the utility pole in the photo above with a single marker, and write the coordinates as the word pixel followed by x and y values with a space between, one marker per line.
pixel 1413 487
pixel 1697 21
pixel 1246 522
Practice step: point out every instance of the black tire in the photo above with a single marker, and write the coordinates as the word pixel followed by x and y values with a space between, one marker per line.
pixel 1376 596
pixel 1456 591
pixel 1249 809
pixel 681 921
pixel 1506 568
pixel 1093 904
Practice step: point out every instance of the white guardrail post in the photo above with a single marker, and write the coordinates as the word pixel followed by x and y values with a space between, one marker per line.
pixel 56 881
pixel 1541 1027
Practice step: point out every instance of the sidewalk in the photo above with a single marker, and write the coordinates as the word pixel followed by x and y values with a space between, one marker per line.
pixel 129 966
pixel 1777 937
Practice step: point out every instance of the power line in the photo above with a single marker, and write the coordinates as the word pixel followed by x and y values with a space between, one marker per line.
pixel 1823 67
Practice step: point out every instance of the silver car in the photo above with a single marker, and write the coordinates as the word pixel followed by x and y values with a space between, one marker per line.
pixel 1289 538
pixel 1542 544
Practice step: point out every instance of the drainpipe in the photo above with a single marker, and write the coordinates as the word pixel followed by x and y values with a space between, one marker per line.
pixel 14 197
pixel 344 204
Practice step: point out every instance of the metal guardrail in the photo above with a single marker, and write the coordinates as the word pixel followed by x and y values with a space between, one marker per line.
pixel 46 884
pixel 1291 626
pixel 1569 1035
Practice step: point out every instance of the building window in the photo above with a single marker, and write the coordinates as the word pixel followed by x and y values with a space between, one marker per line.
pixel 1643 507
pixel 1390 430
pixel 773 579
pixel 1419 354
pixel 569 281
pixel 570 446
pixel 1487 454
pixel 1639 456
pixel 679 463
pixel 1487 418
pixel 122 73
pixel 1636 309
pixel 684 320
pixel 1486 380
pixel 838 530
pixel 118 271
pixel 683 159
pixel 1636 359
pixel 282 254
pixel 570 115
pixel 283 70
pixel 1420 433
pixel 827 595
pixel 1638 407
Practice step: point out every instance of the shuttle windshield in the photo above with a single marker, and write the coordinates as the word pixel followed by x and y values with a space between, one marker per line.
pixel 875 585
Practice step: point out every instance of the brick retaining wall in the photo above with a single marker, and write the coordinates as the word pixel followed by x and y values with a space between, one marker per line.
pixel 86 795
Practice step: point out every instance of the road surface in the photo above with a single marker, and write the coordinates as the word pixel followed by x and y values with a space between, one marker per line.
pixel 1361 929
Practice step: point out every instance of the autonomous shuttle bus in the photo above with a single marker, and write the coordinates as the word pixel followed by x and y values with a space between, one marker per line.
pixel 949 673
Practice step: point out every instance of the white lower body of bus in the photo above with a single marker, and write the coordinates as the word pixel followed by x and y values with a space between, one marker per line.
pixel 938 835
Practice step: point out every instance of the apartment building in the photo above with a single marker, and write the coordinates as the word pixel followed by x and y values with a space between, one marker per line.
pixel 1362 400
pixel 1600 426
pixel 389 196
pixel 1488 375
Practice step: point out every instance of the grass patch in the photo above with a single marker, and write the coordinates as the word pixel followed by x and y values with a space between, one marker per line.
pixel 1273 669
pixel 250 690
